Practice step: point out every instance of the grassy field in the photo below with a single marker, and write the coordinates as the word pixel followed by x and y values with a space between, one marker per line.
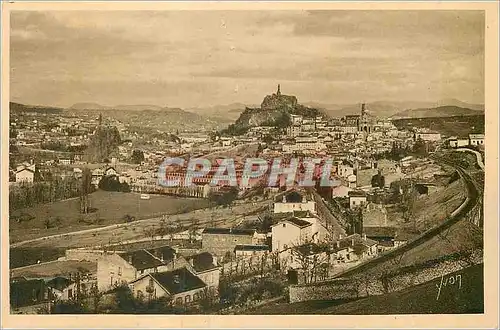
pixel 110 207
pixel 433 209
pixel 20 257
pixel 220 217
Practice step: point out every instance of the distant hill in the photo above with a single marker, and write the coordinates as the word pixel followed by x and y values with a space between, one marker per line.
pixel 442 111
pixel 18 107
pixel 125 107
pixel 387 109
pixel 137 107
pixel 448 125
pixel 226 111
pixel 458 103
pixel 88 106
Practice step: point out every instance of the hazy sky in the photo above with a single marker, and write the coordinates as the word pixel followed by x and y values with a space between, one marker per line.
pixel 195 58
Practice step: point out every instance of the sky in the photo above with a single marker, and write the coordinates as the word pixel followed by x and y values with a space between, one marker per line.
pixel 204 58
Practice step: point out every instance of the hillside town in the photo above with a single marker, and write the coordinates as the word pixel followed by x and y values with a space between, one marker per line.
pixel 230 247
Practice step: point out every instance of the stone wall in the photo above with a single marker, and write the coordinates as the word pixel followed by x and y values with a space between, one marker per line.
pixel 376 284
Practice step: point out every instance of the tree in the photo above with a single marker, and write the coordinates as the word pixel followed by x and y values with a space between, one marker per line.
pixel 112 183
pixel 408 202
pixel 420 148
pixel 85 190
pixel 96 297
pixel 193 229
pixel 224 198
pixel 137 156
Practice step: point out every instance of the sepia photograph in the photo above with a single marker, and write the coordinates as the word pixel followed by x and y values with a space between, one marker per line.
pixel 219 161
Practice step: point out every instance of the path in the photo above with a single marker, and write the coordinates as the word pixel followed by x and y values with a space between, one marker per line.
pixel 479 157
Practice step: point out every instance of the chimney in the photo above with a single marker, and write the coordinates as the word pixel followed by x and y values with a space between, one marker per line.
pixel 352 241
pixel 177 279
pixel 340 236
pixel 191 261
pixel 338 244
pixel 364 237
pixel 284 199
pixel 130 259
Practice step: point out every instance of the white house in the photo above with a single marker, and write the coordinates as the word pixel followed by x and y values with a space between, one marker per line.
pixel 25 175
pixel 344 170
pixel 356 198
pixel 110 171
pixel 65 161
pixel 294 201
pixel 476 139
pixel 340 191
pixel 290 232
pixel 428 136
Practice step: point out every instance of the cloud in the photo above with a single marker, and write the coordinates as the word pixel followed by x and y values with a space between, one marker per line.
pixel 196 58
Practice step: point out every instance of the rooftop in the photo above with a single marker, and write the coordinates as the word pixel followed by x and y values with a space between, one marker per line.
pixel 356 193
pixel 298 222
pixel 229 231
pixel 179 280
pixel 141 259
pixel 202 262
pixel 248 247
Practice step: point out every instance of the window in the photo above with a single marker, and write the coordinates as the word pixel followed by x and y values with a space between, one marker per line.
pixel 187 299
pixel 178 301
pixel 196 296
pixel 70 293
pixel 119 270
pixel 284 225
pixel 142 271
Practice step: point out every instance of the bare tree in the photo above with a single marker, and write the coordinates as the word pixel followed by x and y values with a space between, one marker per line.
pixel 85 190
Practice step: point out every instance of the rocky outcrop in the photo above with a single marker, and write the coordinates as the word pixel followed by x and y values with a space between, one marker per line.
pixel 275 110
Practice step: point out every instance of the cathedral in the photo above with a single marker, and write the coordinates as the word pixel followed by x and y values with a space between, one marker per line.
pixel 366 121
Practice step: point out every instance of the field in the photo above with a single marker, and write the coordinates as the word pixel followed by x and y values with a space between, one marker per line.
pixel 433 209
pixel 122 233
pixel 110 207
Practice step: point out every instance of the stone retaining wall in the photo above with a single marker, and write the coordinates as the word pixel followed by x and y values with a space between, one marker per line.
pixel 377 284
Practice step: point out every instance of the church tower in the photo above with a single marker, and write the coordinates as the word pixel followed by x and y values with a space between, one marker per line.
pixel 279 90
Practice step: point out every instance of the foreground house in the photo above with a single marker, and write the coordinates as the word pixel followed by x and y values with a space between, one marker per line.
pixel 180 285
pixel 205 266
pixel 115 269
pixel 291 232
pixel 354 248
